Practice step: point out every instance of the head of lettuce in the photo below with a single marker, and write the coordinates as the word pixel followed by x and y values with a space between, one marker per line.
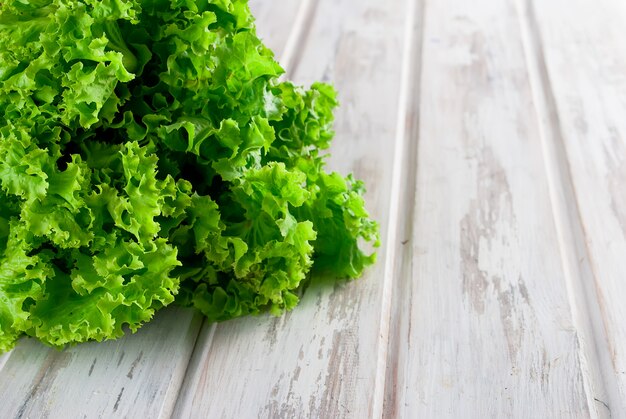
pixel 149 155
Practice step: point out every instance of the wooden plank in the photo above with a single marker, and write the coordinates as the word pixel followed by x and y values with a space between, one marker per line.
pixel 322 359
pixel 136 376
pixel 482 322
pixel 584 59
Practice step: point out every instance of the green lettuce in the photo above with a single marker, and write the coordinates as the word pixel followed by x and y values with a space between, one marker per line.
pixel 150 155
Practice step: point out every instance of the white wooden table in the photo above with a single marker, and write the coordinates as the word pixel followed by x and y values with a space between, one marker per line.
pixel 492 137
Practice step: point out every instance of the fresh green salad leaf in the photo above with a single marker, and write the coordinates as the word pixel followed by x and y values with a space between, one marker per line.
pixel 149 154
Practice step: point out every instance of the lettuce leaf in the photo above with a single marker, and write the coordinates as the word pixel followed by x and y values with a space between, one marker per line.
pixel 149 155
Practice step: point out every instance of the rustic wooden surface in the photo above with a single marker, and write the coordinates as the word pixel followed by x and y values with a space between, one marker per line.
pixel 492 137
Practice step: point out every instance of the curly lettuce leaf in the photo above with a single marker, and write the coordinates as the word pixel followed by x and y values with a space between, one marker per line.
pixel 149 154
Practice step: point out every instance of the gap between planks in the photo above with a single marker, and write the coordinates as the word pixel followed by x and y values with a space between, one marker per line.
pixel 290 57
pixel 203 343
pixel 600 383
pixel 404 179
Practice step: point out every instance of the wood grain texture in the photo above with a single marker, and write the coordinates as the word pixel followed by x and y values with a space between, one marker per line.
pixel 321 359
pixel 584 55
pixel 483 323
pixel 136 376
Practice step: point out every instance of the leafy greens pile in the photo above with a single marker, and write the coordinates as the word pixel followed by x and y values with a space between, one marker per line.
pixel 150 155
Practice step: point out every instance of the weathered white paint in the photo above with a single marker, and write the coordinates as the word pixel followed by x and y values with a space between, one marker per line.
pixel 136 376
pixel 321 359
pixel 585 63
pixel 483 321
